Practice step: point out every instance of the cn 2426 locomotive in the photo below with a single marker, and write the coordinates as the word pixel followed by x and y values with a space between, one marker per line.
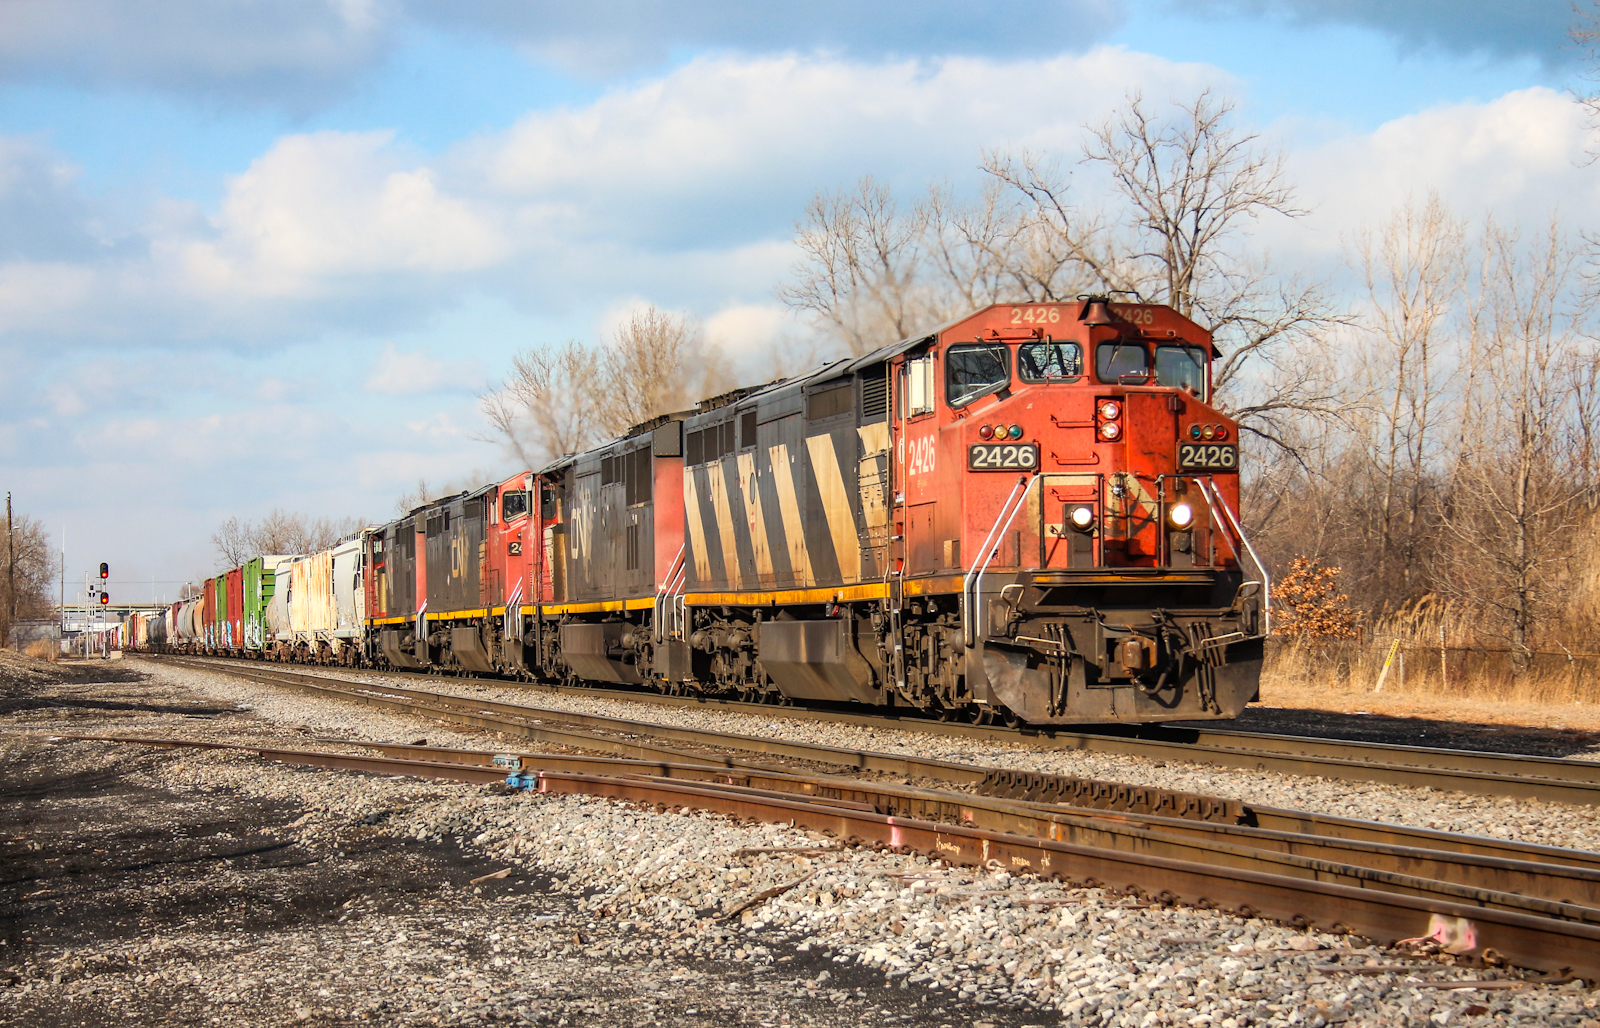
pixel 1029 514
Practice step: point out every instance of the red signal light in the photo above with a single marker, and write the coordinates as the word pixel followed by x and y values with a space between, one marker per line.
pixel 105 598
pixel 985 432
pixel 105 570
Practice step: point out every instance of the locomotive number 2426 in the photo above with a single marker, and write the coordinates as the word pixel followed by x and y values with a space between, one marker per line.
pixel 1208 456
pixel 1003 457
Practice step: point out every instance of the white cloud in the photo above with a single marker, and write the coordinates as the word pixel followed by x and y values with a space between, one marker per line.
pixel 410 373
pixel 334 204
pixel 719 135
pixel 1520 157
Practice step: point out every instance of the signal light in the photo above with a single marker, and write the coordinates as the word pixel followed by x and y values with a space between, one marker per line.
pixel 1110 410
pixel 1208 432
pixel 985 432
pixel 1082 518
pixel 105 570
pixel 999 431
pixel 105 598
pixel 1194 431
pixel 1016 431
pixel 1222 431
pixel 1110 430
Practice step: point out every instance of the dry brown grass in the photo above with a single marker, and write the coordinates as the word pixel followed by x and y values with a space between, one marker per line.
pixel 1479 688
pixel 41 649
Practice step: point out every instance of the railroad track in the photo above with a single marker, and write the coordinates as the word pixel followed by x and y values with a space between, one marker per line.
pixel 1538 906
pixel 1211 866
pixel 1548 779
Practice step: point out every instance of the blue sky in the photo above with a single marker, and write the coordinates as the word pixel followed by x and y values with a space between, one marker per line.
pixel 259 254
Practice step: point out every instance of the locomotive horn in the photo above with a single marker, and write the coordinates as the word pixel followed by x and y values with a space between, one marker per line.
pixel 1096 310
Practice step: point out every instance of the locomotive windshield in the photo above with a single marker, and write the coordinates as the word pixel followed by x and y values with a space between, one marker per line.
pixel 1117 360
pixel 974 371
pixel 1182 367
pixel 1049 361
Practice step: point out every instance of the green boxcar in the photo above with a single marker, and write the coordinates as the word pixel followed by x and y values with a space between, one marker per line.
pixel 260 583
pixel 219 626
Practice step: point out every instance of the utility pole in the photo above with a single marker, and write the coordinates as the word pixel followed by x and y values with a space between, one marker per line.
pixel 11 562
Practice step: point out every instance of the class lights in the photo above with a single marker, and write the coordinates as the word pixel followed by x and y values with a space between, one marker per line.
pixel 999 431
pixel 1110 429
pixel 1208 432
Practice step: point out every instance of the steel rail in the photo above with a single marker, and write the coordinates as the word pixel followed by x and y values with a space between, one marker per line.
pixel 1500 866
pixel 1313 893
pixel 1473 878
pixel 1452 772
pixel 1524 939
pixel 1573 880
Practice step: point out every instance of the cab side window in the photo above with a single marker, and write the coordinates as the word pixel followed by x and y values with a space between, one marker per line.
pixel 513 505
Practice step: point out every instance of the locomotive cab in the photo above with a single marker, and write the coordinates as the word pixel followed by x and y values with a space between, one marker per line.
pixel 1066 461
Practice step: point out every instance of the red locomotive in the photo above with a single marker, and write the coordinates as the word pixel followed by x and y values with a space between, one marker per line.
pixel 1028 515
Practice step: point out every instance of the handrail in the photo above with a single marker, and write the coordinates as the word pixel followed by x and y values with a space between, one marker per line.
pixel 991 546
pixel 665 590
pixel 1209 490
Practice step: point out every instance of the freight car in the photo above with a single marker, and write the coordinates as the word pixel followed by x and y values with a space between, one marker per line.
pixel 1029 514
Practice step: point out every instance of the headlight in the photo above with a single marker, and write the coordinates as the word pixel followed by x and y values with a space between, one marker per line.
pixel 1181 515
pixel 1082 518
pixel 1110 430
pixel 1110 410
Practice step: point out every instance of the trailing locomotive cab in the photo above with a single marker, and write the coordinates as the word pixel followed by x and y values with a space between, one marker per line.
pixel 1029 515
pixel 606 540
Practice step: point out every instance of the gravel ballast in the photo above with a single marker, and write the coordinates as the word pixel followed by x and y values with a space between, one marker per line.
pixel 333 898
pixel 1550 824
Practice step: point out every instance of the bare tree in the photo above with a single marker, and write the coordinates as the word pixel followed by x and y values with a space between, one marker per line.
pixel 1513 505
pixel 550 404
pixel 1191 184
pixel 32 569
pixel 1414 271
pixel 234 541
pixel 279 533
pixel 861 274
pixel 563 402
pixel 656 363
pixel 1585 35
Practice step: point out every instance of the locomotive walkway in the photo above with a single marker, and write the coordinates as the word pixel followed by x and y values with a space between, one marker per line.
pixel 1537 906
